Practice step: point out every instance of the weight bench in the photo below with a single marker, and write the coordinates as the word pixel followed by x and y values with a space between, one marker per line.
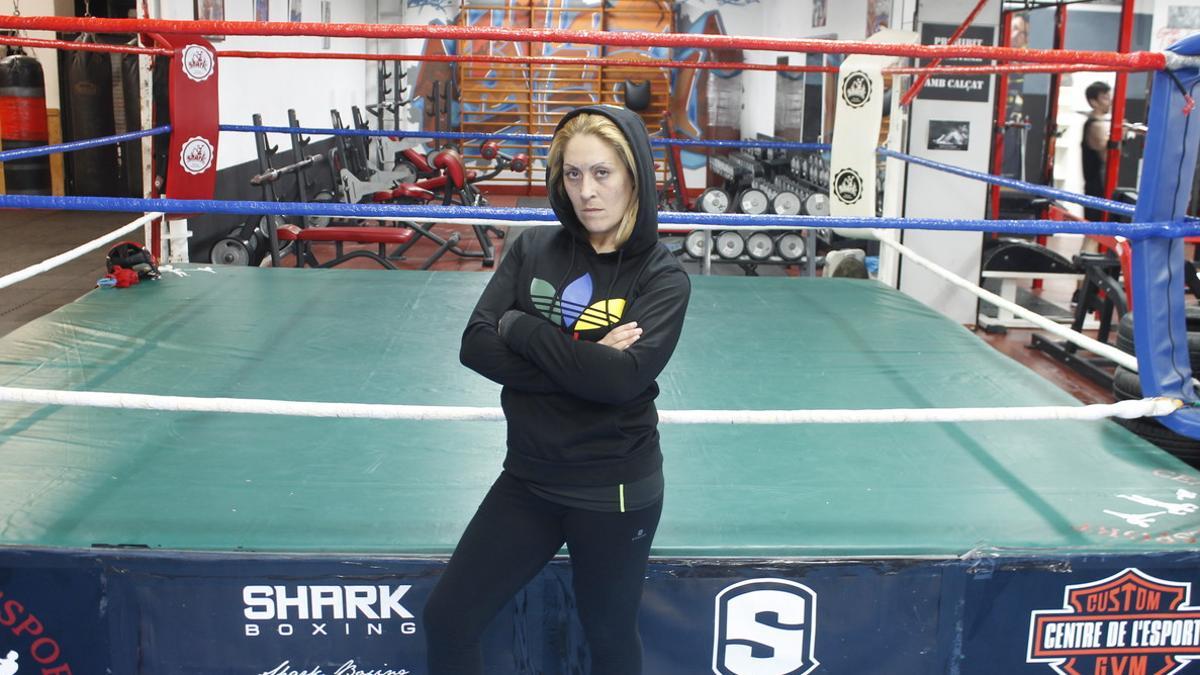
pixel 381 236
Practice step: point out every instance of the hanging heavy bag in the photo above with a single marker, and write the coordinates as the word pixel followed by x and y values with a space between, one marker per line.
pixel 23 124
pixel 160 82
pixel 89 86
pixel 131 152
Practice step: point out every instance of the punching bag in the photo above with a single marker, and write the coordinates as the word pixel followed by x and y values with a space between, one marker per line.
pixel 131 152
pixel 89 85
pixel 23 124
pixel 160 82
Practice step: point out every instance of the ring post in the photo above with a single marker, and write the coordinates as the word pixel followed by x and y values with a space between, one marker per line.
pixel 195 123
pixel 1160 328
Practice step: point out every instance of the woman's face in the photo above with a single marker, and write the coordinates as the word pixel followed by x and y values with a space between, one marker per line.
pixel 599 187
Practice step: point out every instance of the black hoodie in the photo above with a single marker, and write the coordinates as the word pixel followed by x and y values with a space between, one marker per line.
pixel 581 413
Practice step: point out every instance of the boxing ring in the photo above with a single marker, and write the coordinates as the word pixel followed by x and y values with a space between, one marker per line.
pixel 176 540
pixel 171 517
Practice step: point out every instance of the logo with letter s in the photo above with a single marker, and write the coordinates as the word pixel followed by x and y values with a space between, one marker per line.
pixel 765 627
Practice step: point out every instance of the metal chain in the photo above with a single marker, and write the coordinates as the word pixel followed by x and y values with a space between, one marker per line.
pixel 19 32
pixel 87 7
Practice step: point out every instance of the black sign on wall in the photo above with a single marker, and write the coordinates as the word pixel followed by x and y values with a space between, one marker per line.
pixel 953 87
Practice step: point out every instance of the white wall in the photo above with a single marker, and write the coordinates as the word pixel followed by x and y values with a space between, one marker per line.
pixel 272 86
pixel 48 58
pixel 791 19
pixel 844 19
pixel 934 194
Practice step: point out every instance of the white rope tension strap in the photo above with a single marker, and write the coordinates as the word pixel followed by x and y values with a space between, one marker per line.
pixel 662 227
pixel 62 258
pixel 1153 407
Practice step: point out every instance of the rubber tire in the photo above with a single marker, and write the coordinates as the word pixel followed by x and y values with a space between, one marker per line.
pixel 1181 447
pixel 1127 386
pixel 1125 325
pixel 1125 336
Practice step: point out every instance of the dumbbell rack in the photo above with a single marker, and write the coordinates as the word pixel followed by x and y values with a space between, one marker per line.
pixel 772 174
pixel 748 264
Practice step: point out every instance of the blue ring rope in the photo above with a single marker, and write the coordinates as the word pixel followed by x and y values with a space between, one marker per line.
pixel 1031 188
pixel 1040 190
pixel 337 209
pixel 42 150
pixel 523 138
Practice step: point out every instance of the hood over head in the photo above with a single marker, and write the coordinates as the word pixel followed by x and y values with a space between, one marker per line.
pixel 645 229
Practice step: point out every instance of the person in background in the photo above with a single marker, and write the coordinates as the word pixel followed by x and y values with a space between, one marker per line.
pixel 1094 145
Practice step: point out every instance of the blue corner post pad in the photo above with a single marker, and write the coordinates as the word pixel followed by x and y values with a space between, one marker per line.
pixel 1160 328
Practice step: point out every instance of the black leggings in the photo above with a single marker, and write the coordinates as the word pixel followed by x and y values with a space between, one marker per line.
pixel 511 538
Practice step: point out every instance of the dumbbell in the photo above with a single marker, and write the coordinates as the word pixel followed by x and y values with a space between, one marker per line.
pixel 759 245
pixel 242 246
pixel 783 202
pixel 816 204
pixel 787 183
pixel 753 201
pixel 491 150
pixel 693 244
pixel 789 246
pixel 721 167
pixel 730 245
pixel 713 200
pixel 746 163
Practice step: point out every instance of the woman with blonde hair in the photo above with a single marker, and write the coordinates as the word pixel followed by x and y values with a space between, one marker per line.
pixel 576 324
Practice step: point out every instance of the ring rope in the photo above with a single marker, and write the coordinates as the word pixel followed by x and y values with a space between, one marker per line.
pixel 529 60
pixel 919 81
pixel 523 138
pixel 43 150
pixel 663 226
pixel 1138 60
pixel 1127 361
pixel 50 263
pixel 1134 231
pixel 1153 407
pixel 68 45
pixel 668 63
pixel 1040 190
pixel 504 215
pixel 1099 203
pixel 568 60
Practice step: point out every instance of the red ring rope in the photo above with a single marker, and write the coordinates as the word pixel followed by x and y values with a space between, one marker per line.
pixel 919 82
pixel 531 60
pixel 81 46
pixel 1133 60
pixel 667 63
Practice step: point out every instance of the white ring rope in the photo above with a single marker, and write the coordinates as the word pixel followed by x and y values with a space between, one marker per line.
pixel 1153 407
pixel 662 227
pixel 62 258
pixel 1127 361
pixel 1180 61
